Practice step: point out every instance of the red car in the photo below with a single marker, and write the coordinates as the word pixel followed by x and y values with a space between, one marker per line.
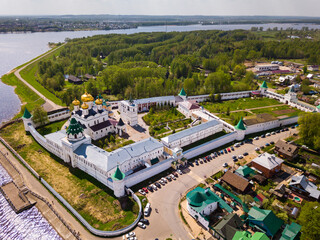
pixel 229 150
pixel 145 189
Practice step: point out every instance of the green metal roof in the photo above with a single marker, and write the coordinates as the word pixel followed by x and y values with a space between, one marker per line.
pixel 264 84
pixel 240 125
pixel 26 114
pixel 318 106
pixel 270 221
pixel 182 92
pixel 118 175
pixel 74 127
pixel 244 170
pixel 199 198
pixel 244 235
pixel 291 231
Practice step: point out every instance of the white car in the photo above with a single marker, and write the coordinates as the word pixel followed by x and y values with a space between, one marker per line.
pixel 142 225
pixel 273 133
pixel 256 138
pixel 163 179
pixel 142 192
pixel 240 156
pixel 179 171
pixel 161 182
pixel 172 176
pixel 146 210
pixel 154 187
pixel 257 149
pixel 132 238
pixel 268 134
pixel 131 234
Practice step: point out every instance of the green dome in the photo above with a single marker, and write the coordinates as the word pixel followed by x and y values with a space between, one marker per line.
pixel 240 125
pixel 74 127
pixel 118 175
pixel 26 114
pixel 182 92
pixel 264 84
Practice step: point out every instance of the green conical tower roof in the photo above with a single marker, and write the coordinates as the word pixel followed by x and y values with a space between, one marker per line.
pixel 74 127
pixel 240 125
pixel 318 106
pixel 264 84
pixel 26 114
pixel 182 92
pixel 118 175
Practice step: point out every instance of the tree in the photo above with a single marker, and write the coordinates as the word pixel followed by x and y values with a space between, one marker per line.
pixel 309 130
pixel 305 69
pixel 40 116
pixel 309 219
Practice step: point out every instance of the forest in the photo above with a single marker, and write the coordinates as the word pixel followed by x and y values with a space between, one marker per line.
pixel 154 64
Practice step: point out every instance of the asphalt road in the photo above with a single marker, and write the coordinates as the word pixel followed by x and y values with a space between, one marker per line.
pixel 167 222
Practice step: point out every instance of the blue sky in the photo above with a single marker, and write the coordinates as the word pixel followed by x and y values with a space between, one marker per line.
pixel 162 7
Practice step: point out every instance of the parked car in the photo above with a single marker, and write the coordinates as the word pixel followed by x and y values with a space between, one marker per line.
pixel 191 164
pixel 293 127
pixel 278 131
pixel 232 148
pixel 272 142
pixel 237 145
pixel 234 157
pixel 282 130
pixel 215 154
pixel 268 134
pixel 262 147
pixel 221 152
pixel 267 144
pixel 241 143
pixel 145 221
pixel 245 154
pixel 162 182
pixel 240 156
pixel 142 225
pixel 169 178
pixel 154 187
pixel 200 160
pixel 163 179
pixel 256 138
pixel 196 162
pixel 146 211
pixel 179 171
pixel 131 234
pixel 172 176
pixel 145 190
pixel 225 151
pixel 229 150
pixel 225 165
pixel 286 129
pixel 157 184
pixel 257 149
pixel 175 174
pixel 263 136
pixel 273 133
pixel 132 238
pixel 142 192
pixel 205 160
pixel 150 189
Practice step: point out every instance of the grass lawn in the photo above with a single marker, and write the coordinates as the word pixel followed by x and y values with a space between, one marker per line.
pixel 233 117
pixel 95 202
pixel 51 128
pixel 26 95
pixel 29 74
pixel 279 111
pixel 109 144
pixel 162 116
pixel 207 139
pixel 180 124
pixel 239 104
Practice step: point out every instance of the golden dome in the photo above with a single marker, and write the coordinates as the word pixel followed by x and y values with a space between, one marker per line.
pixel 76 102
pixel 98 101
pixel 84 106
pixel 87 97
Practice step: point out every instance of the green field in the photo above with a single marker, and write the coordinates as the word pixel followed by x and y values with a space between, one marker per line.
pixel 51 128
pixel 279 111
pixel 234 117
pixel 162 116
pixel 239 104
pixel 94 201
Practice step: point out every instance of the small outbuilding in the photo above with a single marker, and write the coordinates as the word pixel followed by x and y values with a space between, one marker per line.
pixel 268 164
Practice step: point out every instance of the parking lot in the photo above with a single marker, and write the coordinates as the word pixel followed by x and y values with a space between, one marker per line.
pixel 164 218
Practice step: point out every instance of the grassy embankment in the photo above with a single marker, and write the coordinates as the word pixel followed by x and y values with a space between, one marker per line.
pixel 30 72
pixel 95 202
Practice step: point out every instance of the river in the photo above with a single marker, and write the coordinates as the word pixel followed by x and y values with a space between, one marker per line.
pixel 18 48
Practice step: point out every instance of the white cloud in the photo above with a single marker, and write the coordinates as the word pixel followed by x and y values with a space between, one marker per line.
pixel 161 7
